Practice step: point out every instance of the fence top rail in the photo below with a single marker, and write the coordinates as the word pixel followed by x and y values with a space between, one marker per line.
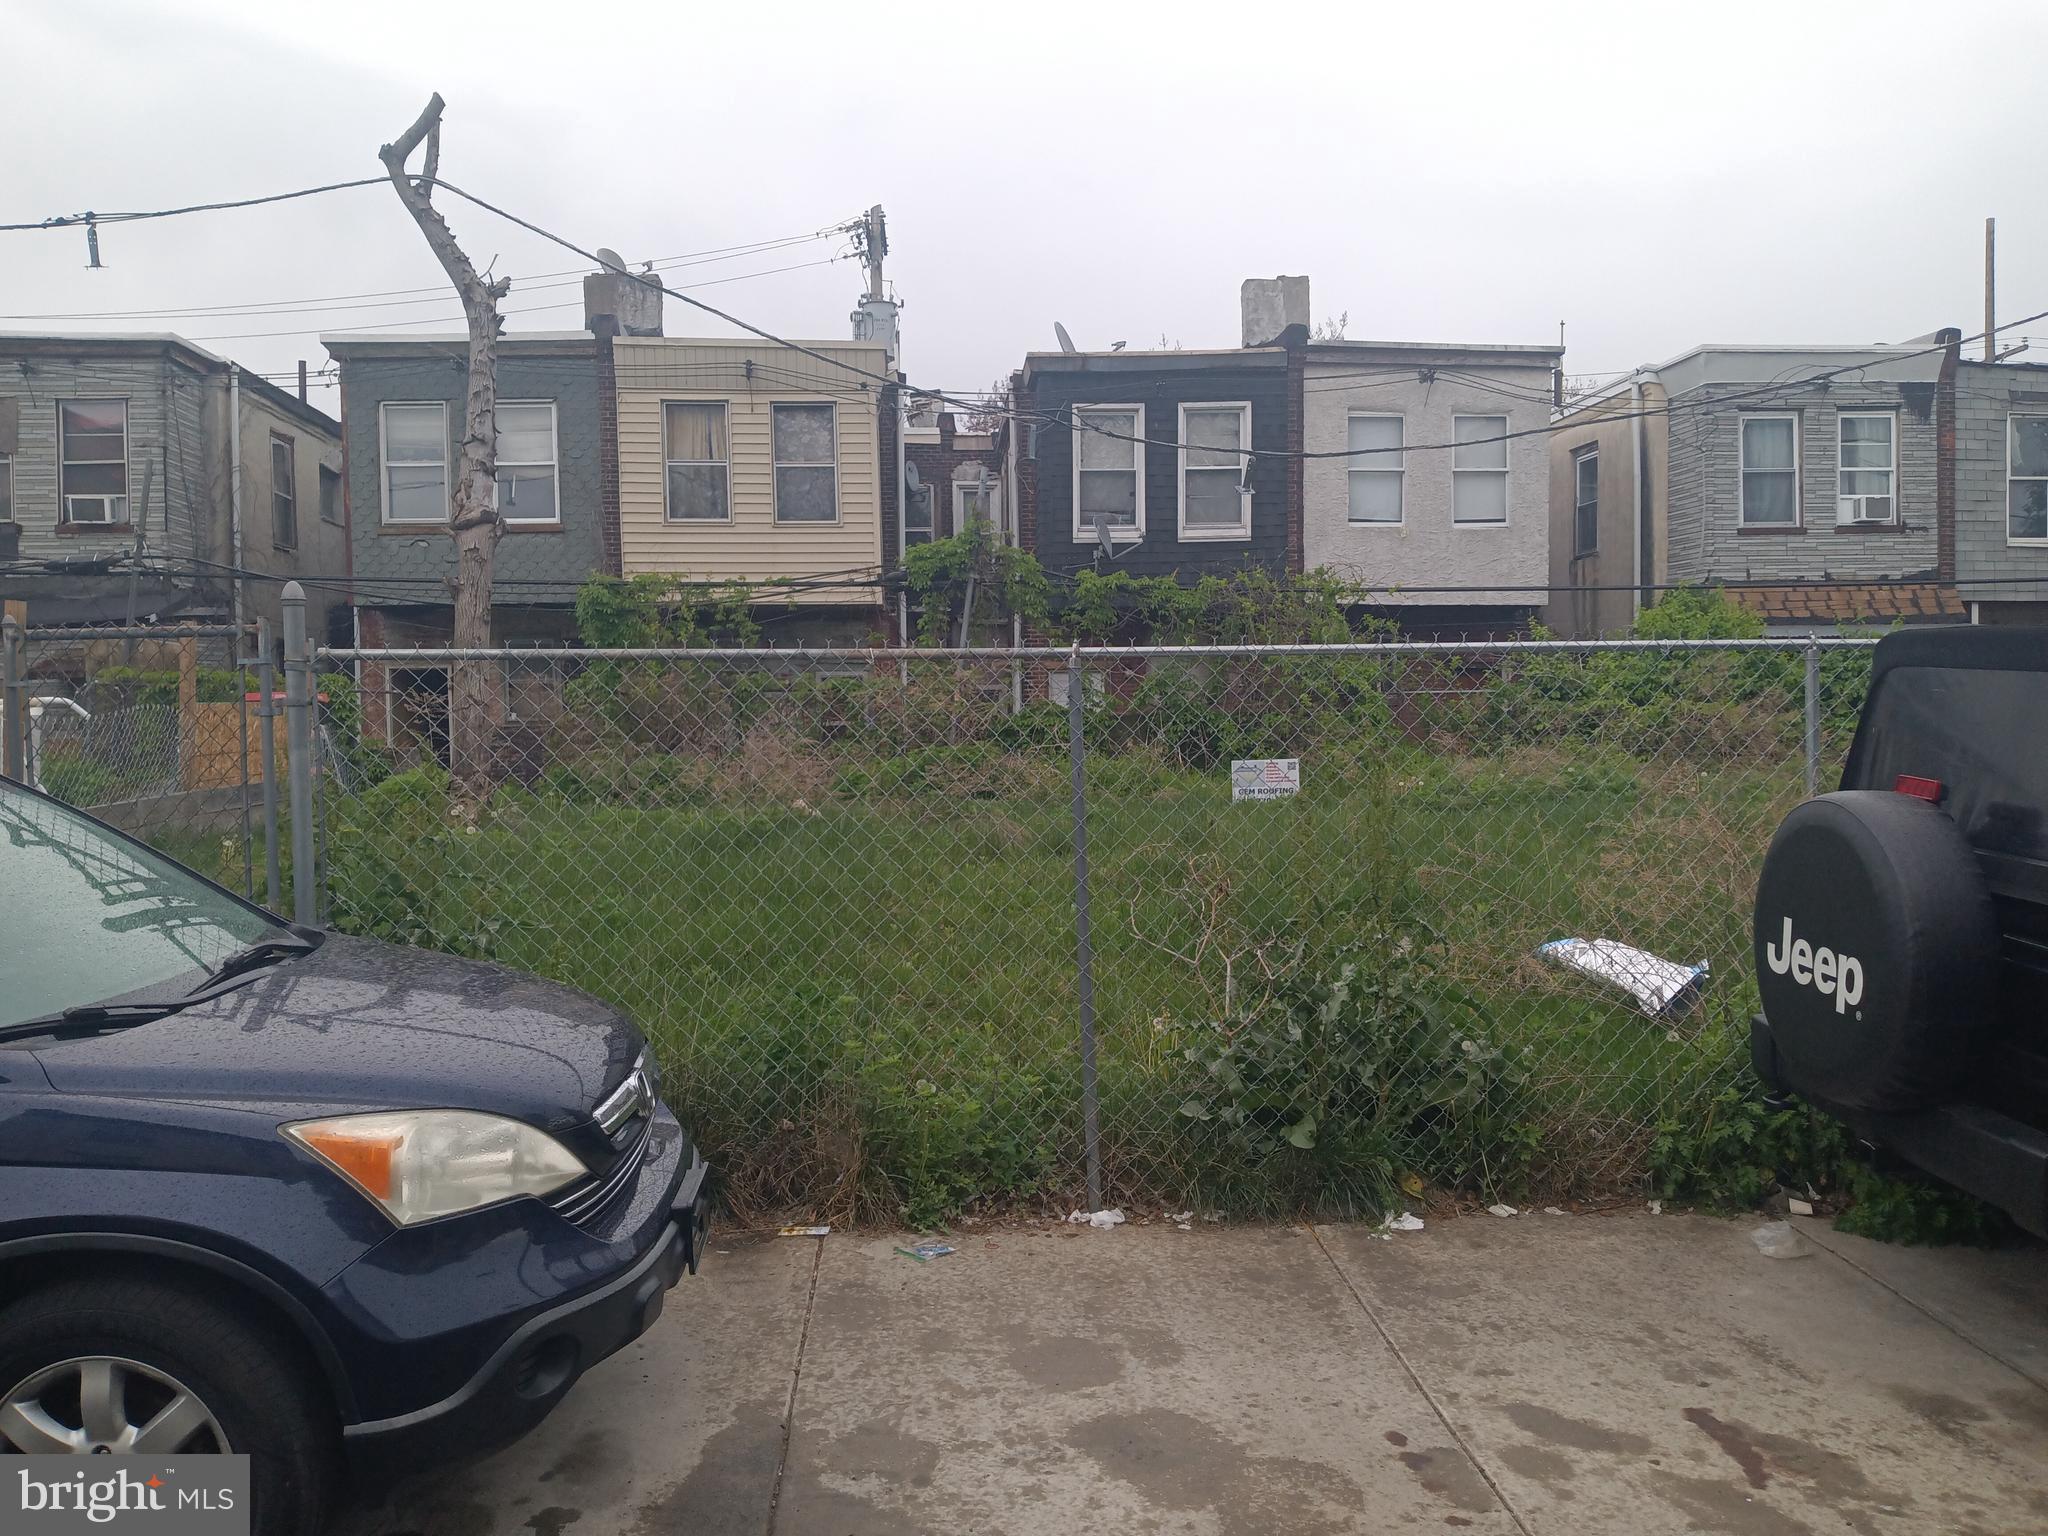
pixel 183 632
pixel 1056 653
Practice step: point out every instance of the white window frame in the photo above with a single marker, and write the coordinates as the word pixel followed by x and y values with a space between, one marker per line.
pixel 385 465
pixel 64 516
pixel 1891 472
pixel 776 467
pixel 1136 532
pixel 2010 418
pixel 1399 471
pixel 288 492
pixel 7 485
pixel 1742 517
pixel 1242 533
pixel 554 470
pixel 1585 456
pixel 1505 471
pixel 962 489
pixel 668 511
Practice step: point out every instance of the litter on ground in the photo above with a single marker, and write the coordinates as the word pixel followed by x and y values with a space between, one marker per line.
pixel 925 1252
pixel 1113 1217
pixel 1502 1210
pixel 1551 1210
pixel 1661 988
pixel 1799 1207
pixel 805 1232
pixel 1407 1221
pixel 1777 1240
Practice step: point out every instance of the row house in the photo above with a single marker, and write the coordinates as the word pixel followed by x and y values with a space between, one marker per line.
pixel 1414 472
pixel 1823 487
pixel 624 452
pixel 127 453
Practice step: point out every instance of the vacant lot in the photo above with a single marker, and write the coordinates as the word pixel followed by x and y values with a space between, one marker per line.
pixel 854 942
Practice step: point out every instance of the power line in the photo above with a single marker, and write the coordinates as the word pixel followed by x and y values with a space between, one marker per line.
pixel 401 297
pixel 71 220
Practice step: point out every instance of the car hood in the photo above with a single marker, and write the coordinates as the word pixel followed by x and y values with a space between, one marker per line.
pixel 356 1024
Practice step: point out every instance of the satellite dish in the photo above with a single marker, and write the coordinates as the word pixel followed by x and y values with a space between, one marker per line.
pixel 1066 341
pixel 912 480
pixel 1102 539
pixel 610 259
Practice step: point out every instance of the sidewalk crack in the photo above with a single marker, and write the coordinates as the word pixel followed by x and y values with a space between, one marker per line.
pixel 1414 1376
pixel 796 1377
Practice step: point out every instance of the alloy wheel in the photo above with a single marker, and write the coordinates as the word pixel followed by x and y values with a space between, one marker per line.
pixel 101 1405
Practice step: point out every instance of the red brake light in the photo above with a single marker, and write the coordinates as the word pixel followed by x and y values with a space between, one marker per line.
pixel 1930 790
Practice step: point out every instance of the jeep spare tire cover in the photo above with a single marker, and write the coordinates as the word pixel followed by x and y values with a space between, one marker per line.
pixel 1877 950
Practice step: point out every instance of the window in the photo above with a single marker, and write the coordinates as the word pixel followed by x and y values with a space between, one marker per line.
pixel 806 464
pixel 93 453
pixel 1770 471
pixel 330 494
pixel 917 516
pixel 1586 503
pixel 527 489
pixel 1214 457
pixel 2026 485
pixel 1108 488
pixel 1866 460
pixel 6 489
pixel 970 504
pixel 415 442
pixel 1479 469
pixel 699 473
pixel 284 492
pixel 1378 458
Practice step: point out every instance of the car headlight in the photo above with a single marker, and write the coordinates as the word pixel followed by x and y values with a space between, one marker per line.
pixel 422 1163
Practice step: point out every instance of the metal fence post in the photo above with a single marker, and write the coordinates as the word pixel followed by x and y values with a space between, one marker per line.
pixel 266 716
pixel 1812 717
pixel 1084 949
pixel 298 730
pixel 12 718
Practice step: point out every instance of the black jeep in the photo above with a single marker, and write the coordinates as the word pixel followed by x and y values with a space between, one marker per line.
pixel 1902 922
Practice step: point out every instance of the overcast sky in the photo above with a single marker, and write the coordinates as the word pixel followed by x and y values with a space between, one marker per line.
pixel 1654 176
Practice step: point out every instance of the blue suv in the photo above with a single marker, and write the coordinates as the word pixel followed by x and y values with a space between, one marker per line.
pixel 334 1204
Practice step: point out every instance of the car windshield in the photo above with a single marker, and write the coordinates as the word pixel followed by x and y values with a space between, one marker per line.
pixel 86 916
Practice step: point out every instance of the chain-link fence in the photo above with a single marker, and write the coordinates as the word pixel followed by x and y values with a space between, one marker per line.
pixel 1248 929
pixel 156 730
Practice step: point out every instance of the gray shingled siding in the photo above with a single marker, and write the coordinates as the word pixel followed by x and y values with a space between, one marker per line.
pixel 529 567
pixel 167 408
pixel 1705 489
pixel 1985 396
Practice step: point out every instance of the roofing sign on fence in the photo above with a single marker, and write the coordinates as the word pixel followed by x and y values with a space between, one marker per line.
pixel 1265 778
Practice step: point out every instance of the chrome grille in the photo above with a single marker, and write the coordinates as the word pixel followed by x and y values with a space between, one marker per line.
pixel 589 1201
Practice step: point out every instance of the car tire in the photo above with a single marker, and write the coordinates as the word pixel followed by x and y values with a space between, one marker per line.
pixel 253 1381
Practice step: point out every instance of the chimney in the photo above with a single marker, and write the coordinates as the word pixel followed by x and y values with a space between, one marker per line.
pixel 1270 305
pixel 946 429
pixel 615 303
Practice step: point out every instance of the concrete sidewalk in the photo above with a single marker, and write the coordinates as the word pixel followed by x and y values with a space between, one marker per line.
pixel 1632 1375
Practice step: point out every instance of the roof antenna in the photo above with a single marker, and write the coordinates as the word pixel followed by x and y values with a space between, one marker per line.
pixel 1066 341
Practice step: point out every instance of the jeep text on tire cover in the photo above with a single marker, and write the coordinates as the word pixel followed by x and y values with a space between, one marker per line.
pixel 1830 974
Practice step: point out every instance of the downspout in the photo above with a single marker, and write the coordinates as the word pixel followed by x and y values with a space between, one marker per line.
pixel 1644 558
pixel 235 493
pixel 902 511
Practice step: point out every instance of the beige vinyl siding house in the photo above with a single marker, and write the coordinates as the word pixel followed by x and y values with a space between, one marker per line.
pixel 764 519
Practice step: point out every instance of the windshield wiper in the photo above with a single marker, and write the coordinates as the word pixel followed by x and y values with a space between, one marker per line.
pixel 259 953
pixel 91 1016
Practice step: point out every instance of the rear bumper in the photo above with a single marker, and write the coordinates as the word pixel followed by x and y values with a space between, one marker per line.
pixel 1998 1159
pixel 537 1365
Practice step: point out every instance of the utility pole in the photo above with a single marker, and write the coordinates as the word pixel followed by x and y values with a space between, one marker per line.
pixel 473 698
pixel 1991 290
pixel 873 237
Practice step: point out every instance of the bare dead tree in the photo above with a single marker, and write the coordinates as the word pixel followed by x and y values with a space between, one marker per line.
pixel 473 697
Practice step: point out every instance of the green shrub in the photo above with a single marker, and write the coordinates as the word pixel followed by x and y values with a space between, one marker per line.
pixel 76 779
